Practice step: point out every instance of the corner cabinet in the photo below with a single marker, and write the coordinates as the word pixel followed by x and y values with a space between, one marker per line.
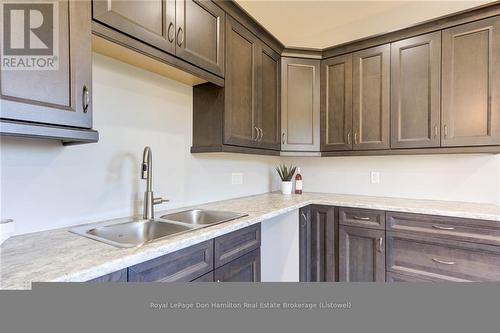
pixel 54 103
pixel 300 101
pixel 242 116
pixel 189 29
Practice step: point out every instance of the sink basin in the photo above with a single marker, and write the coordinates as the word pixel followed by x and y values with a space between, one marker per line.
pixel 132 233
pixel 201 217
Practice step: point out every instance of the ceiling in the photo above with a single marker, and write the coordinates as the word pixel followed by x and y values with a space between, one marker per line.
pixel 320 24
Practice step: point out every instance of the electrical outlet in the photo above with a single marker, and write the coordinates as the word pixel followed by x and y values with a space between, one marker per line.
pixel 237 178
pixel 375 177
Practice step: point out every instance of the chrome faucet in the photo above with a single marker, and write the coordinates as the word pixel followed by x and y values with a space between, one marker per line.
pixel 147 173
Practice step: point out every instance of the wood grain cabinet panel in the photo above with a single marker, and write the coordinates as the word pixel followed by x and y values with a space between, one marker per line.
pixel 371 98
pixel 336 103
pixel 317 242
pixel 444 259
pixel 241 111
pixel 62 96
pixel 360 217
pixel 209 277
pixel 180 266
pixel 471 84
pixel 243 269
pixel 361 254
pixel 199 35
pixel 395 277
pixel 237 243
pixel 415 92
pixel 152 22
pixel 300 104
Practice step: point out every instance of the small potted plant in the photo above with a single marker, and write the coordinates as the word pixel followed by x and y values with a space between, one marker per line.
pixel 286 174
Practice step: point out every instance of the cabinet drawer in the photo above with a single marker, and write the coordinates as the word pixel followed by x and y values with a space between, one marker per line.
pixel 118 276
pixel 235 244
pixel 358 217
pixel 480 231
pixel 243 269
pixel 442 259
pixel 180 266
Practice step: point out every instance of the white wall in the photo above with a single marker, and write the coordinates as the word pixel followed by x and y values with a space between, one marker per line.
pixel 280 249
pixel 45 185
pixel 474 178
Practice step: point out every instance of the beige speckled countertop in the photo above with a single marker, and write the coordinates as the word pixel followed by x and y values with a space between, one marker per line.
pixel 58 255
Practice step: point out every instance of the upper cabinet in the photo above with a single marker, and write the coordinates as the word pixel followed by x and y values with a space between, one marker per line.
pixel 471 84
pixel 300 104
pixel 371 98
pixel 55 100
pixel 336 103
pixel 192 30
pixel 200 34
pixel 415 91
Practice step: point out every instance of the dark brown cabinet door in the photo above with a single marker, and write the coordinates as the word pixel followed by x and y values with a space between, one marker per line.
pixel 336 103
pixel 269 97
pixel 317 239
pixel 415 92
pixel 361 254
pixel 241 112
pixel 244 269
pixel 61 95
pixel 471 84
pixel 300 104
pixel 199 34
pixel 152 22
pixel 371 96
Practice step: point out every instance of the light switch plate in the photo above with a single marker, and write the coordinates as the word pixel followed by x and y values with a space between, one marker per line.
pixel 237 178
pixel 375 177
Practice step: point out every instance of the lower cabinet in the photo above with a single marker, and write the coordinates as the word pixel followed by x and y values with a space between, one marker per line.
pixel 243 269
pixel 118 276
pixel 361 254
pixel 209 277
pixel 317 238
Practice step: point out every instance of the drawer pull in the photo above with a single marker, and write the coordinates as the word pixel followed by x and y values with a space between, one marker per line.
pixel 443 262
pixel 443 228
pixel 380 245
pixel 362 218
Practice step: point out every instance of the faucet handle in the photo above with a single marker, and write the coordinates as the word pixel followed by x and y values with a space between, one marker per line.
pixel 157 201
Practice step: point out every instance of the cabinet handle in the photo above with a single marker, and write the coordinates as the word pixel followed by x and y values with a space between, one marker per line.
pixel 443 228
pixel 435 131
pixel 257 134
pixel 355 138
pixel 283 138
pixel 180 39
pixel 349 138
pixel 85 99
pixel 443 262
pixel 445 131
pixel 304 216
pixel 171 32
pixel 261 134
pixel 363 218
pixel 380 244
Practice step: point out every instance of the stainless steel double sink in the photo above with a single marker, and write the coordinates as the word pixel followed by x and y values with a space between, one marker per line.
pixel 136 232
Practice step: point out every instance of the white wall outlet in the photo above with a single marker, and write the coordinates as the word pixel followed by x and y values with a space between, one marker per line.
pixel 237 178
pixel 375 177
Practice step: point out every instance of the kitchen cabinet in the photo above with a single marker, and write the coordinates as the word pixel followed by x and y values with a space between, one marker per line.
pixel 415 92
pixel 300 104
pixel 118 276
pixel 317 241
pixel 242 116
pixel 336 103
pixel 191 30
pixel 361 254
pixel 371 98
pixel 180 266
pixel 471 84
pixel 244 269
pixel 235 244
pixel 54 103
